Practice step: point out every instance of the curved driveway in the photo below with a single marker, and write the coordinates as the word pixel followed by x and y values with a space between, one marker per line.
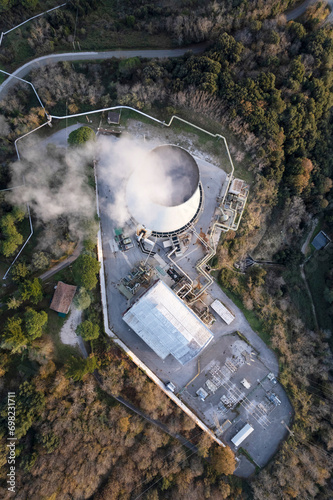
pixel 88 56
pixel 295 13
pixel 298 11
pixel 159 53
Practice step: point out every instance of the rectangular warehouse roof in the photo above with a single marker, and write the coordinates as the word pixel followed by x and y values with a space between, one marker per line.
pixel 167 325
pixel 222 311
pixel 321 240
pixel 242 435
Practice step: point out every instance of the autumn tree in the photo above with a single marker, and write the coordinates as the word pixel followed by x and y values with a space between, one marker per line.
pixel 40 261
pixel 223 460
pixel 12 238
pixel 19 272
pixel 204 445
pixel 13 335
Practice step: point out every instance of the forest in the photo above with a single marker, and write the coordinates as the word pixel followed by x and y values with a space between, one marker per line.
pixel 265 83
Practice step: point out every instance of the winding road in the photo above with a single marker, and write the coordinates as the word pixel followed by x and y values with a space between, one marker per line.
pixel 89 56
pixel 298 11
pixel 123 54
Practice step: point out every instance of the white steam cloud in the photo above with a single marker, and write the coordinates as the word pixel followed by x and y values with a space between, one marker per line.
pixel 151 181
pixel 55 183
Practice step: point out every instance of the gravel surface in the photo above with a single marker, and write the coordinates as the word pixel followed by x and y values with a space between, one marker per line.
pixel 67 333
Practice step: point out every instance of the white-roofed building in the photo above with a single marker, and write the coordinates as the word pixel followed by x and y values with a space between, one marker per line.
pixel 242 435
pixel 167 325
pixel 222 311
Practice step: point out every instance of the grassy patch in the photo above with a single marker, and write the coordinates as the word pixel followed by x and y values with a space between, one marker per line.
pixel 256 324
pixel 216 146
pixel 17 42
pixel 128 114
pixel 250 459
pixel 65 275
pixel 125 39
pixel 298 296
pixel 54 325
pixel 315 270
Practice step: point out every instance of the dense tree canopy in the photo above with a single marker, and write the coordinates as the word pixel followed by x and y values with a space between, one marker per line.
pixel 88 330
pixel 78 367
pixel 85 270
pixel 223 460
pixel 31 290
pixel 11 238
pixel 80 136
pixel 82 299
pixel 34 323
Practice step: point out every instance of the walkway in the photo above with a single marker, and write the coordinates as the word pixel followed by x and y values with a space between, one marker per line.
pixel 310 295
pixel 303 250
pixel 307 241
pixel 298 11
pixel 63 263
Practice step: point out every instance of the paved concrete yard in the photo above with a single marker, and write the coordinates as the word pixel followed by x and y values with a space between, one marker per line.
pixel 225 348
pixel 251 405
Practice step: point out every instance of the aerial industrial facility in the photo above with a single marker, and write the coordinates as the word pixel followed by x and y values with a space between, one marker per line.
pixel 166 309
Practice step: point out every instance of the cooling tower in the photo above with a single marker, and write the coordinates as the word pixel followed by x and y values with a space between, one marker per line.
pixel 165 194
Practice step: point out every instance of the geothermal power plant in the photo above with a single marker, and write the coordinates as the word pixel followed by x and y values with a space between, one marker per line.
pixel 162 305
pixel 170 197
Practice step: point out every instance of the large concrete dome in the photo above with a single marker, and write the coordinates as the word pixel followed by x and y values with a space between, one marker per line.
pixel 165 194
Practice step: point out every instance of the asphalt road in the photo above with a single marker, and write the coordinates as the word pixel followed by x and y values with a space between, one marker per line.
pixel 298 11
pixel 149 53
pixel 63 263
pixel 88 56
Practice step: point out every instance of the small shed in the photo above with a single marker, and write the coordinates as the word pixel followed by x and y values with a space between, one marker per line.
pixel 245 383
pixel 113 117
pixel 222 311
pixel 62 298
pixel 320 241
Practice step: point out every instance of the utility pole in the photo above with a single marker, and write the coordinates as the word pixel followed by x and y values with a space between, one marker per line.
pixel 286 426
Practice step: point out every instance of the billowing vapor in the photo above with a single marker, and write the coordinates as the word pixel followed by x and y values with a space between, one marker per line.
pixel 55 184
pixel 124 159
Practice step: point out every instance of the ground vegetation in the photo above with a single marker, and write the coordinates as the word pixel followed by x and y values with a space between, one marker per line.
pixel 268 85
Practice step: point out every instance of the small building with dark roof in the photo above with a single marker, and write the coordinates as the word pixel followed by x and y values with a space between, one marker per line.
pixel 62 298
pixel 320 241
pixel 113 117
